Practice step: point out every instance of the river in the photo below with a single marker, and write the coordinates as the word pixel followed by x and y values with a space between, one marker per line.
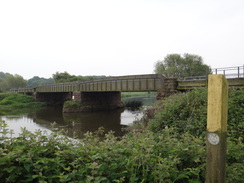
pixel 75 124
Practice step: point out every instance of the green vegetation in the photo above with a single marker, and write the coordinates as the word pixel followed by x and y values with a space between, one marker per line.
pixel 11 103
pixel 167 146
pixel 187 112
pixel 71 103
pixel 8 81
pixel 175 65
pixel 137 94
pixel 133 104
pixel 35 81
pixel 60 77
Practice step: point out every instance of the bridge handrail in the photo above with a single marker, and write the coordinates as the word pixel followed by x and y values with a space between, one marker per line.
pixel 226 71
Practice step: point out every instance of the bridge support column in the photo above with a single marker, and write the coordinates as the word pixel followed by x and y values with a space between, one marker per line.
pixel 95 101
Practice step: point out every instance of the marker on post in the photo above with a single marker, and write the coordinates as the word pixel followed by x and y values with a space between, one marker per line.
pixel 216 128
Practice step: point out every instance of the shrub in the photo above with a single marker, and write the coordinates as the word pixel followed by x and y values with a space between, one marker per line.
pixel 133 104
pixel 136 157
pixel 186 112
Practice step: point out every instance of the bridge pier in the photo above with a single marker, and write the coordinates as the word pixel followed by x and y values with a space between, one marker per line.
pixel 95 101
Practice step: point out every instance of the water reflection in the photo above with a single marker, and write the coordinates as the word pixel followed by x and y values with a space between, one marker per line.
pixel 79 123
pixel 75 123
pixel 72 123
pixel 17 122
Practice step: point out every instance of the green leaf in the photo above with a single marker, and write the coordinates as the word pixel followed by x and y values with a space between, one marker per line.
pixel 27 167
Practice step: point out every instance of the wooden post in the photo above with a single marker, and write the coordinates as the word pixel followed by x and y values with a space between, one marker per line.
pixel 216 128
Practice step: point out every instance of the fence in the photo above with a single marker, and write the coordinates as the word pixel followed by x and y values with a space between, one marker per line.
pixel 228 72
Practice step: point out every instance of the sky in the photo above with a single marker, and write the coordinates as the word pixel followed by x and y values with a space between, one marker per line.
pixel 116 37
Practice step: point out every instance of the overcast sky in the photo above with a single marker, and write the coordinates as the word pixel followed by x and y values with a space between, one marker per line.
pixel 116 37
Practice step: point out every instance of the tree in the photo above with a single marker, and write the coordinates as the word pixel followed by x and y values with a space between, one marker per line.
pixel 60 77
pixel 8 81
pixel 35 81
pixel 15 81
pixel 175 65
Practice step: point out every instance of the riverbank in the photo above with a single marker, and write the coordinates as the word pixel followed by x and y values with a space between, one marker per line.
pixel 11 103
pixel 168 145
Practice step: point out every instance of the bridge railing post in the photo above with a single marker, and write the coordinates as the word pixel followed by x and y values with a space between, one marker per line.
pixel 238 71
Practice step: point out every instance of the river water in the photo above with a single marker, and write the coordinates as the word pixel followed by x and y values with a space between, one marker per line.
pixel 75 124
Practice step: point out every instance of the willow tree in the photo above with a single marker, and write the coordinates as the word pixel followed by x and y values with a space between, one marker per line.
pixel 176 65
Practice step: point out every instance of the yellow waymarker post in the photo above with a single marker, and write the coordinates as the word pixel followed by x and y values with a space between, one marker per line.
pixel 216 128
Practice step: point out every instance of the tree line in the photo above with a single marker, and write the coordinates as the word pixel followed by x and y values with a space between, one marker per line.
pixel 8 81
pixel 173 65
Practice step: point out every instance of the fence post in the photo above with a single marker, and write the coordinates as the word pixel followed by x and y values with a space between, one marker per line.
pixel 238 68
pixel 243 70
pixel 216 128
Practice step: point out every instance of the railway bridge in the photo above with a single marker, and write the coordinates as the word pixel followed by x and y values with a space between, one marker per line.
pixel 105 93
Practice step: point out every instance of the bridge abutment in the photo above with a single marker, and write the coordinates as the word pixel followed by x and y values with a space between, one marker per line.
pixel 95 101
pixel 170 87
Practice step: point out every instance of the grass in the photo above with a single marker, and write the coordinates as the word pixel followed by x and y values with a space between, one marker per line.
pixel 11 103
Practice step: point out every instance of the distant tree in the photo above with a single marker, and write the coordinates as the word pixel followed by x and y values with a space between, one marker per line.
pixel 35 81
pixel 8 81
pixel 2 75
pixel 15 81
pixel 175 65
pixel 60 77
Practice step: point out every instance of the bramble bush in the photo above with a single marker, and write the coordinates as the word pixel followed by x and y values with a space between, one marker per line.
pixel 187 113
pixel 136 157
